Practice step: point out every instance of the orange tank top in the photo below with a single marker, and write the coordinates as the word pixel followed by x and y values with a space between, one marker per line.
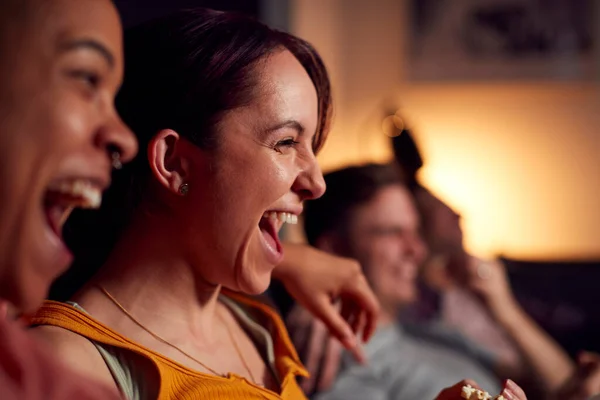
pixel 178 382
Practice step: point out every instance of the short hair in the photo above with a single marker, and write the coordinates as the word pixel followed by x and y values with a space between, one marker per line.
pixel 347 189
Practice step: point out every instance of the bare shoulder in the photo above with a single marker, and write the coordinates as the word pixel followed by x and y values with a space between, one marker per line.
pixel 74 350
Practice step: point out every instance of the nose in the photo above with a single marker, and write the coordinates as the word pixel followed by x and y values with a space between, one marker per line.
pixel 115 136
pixel 310 184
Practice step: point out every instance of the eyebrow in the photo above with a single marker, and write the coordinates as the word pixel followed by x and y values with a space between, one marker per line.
pixel 90 44
pixel 288 124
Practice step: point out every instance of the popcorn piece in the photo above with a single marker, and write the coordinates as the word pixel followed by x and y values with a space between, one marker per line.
pixel 467 391
pixel 481 395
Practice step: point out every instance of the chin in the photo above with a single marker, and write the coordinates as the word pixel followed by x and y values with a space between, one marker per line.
pixel 255 285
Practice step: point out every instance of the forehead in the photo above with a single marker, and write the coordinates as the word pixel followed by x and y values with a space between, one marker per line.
pixel 391 206
pixel 52 23
pixel 285 88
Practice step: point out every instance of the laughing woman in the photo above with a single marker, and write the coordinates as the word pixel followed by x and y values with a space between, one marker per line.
pixel 231 114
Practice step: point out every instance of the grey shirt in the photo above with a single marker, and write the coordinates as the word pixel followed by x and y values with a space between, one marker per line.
pixel 409 364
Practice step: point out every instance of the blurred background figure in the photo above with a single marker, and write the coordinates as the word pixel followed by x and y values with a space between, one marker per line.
pixel 369 214
pixel 447 293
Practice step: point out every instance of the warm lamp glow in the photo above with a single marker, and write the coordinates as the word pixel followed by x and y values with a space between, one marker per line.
pixel 522 175
pixel 520 172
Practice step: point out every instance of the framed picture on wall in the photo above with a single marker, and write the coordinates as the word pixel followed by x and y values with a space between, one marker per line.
pixel 503 40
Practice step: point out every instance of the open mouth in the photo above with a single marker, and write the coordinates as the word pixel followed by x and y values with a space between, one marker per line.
pixel 63 196
pixel 270 224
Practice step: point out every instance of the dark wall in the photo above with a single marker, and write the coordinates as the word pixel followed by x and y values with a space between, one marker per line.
pixel 563 297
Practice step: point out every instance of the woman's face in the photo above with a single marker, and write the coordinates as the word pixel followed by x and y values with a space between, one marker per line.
pixel 60 68
pixel 263 169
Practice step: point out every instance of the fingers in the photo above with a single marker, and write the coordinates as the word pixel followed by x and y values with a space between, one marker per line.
pixel 368 304
pixel 512 391
pixel 358 354
pixel 330 365
pixel 337 326
pixel 358 325
pixel 313 355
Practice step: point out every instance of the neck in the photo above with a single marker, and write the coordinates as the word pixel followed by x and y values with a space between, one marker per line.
pixel 149 276
pixel 388 315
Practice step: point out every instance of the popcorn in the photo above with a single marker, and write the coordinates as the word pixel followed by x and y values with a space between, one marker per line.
pixel 468 392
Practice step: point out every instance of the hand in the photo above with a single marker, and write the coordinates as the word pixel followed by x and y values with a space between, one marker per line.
pixel 320 352
pixel 488 280
pixel 585 381
pixel 319 281
pixel 510 391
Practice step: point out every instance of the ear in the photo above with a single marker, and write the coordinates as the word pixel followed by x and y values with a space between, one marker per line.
pixel 167 159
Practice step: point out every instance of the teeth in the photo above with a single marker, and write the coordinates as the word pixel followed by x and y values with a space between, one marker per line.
pixel 85 194
pixel 288 218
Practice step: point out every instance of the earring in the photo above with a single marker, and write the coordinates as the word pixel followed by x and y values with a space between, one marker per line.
pixel 116 160
pixel 184 189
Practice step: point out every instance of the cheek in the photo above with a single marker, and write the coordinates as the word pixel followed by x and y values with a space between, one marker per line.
pixel 72 118
pixel 257 180
pixel 385 252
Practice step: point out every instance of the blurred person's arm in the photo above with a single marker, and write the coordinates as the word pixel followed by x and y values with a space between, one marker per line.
pixel 584 382
pixel 333 289
pixel 545 361
pixel 27 372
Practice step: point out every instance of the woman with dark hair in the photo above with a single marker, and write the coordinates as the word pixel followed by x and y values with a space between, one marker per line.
pixel 230 114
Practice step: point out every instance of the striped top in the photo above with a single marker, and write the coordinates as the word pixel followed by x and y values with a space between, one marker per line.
pixel 175 380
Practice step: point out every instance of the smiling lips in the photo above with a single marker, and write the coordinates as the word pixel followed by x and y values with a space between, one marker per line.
pixel 65 195
pixel 269 225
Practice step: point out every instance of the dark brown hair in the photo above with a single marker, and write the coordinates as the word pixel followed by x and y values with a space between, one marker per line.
pixel 347 189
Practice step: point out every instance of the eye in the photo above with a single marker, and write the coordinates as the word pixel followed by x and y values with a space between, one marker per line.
pixel 285 144
pixel 89 78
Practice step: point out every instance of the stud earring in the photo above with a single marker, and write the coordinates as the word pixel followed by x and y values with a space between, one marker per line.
pixel 116 160
pixel 184 189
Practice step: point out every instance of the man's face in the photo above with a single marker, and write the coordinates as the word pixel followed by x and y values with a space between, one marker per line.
pixel 383 235
pixel 60 68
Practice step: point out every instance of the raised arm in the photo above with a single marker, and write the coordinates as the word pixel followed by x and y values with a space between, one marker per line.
pixel 545 360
